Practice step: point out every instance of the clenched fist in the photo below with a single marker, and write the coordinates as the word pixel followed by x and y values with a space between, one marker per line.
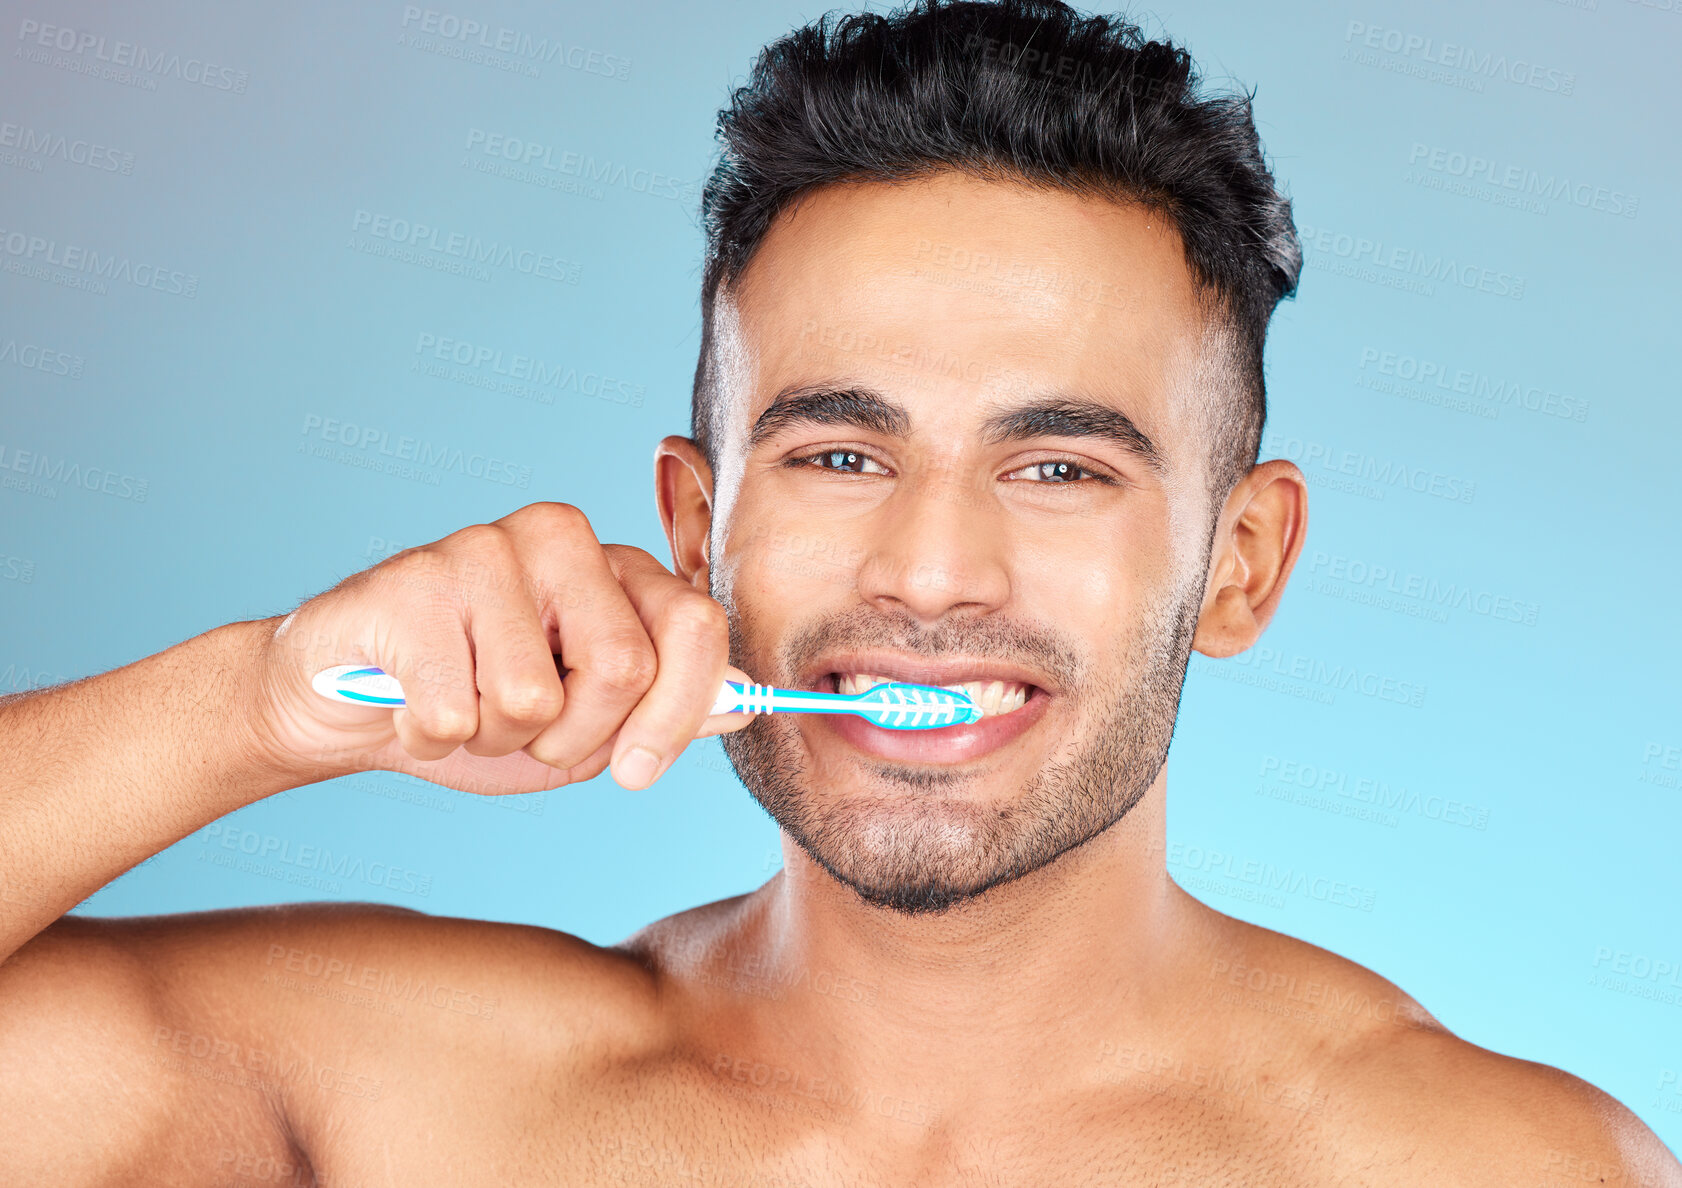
pixel 530 655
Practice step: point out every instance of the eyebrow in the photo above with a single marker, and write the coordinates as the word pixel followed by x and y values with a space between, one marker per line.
pixel 1073 416
pixel 1055 415
pixel 823 405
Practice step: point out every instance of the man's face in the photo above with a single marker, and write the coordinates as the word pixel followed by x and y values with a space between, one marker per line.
pixel 961 437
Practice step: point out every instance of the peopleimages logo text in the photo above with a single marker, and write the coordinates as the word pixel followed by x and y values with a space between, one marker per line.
pixel 36 142
pixel 1521 179
pixel 471 248
pixel 413 449
pixel 537 155
pixel 1385 472
pixel 40 250
pixel 1463 381
pixel 1406 261
pixel 136 57
pixel 449 27
pixel 1454 56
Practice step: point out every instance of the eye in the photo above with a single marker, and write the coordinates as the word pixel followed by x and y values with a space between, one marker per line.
pixel 1059 470
pixel 842 460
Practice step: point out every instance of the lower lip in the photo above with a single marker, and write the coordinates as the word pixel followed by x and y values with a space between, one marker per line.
pixel 947 744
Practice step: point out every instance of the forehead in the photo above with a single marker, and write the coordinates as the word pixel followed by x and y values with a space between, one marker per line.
pixel 955 285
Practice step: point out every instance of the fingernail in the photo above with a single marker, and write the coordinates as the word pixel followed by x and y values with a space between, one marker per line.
pixel 637 767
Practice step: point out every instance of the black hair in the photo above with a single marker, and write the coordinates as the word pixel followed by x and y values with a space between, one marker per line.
pixel 1028 90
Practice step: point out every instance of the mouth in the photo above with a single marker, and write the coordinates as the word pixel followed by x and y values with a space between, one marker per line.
pixel 1012 700
pixel 994 697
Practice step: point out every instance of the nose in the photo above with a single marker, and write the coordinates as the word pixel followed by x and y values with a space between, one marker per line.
pixel 937 545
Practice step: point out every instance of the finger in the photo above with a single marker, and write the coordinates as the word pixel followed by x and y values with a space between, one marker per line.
pixel 489 776
pixel 520 691
pixel 594 765
pixel 727 723
pixel 429 655
pixel 601 641
pixel 691 638
pixel 718 725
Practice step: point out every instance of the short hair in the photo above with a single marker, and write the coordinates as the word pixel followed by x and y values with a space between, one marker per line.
pixel 1025 90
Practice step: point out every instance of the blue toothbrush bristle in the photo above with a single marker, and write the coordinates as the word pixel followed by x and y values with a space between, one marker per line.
pixel 916 707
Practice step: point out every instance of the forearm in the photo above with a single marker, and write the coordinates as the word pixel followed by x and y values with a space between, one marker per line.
pixel 101 773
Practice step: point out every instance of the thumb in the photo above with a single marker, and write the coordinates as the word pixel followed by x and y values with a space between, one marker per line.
pixel 727 723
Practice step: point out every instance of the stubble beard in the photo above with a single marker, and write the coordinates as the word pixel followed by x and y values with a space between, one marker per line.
pixel 917 842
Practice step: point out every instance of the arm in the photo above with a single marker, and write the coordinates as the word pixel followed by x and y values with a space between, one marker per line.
pixel 126 1045
pixel 98 775
pixel 287 1046
pixel 101 773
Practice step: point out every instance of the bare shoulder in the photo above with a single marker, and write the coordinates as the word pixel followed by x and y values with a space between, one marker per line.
pixel 1295 991
pixel 154 1044
pixel 324 967
pixel 1393 1096
pixel 1433 1099
pixel 1412 1096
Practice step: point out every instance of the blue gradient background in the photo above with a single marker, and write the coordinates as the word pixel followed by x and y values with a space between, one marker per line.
pixel 1555 731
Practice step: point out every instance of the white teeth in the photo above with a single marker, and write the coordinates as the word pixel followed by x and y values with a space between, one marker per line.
pixel 994 697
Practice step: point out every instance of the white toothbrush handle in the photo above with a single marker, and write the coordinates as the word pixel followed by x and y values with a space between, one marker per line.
pixel 732 698
pixel 767 699
pixel 358 684
pixel 363 684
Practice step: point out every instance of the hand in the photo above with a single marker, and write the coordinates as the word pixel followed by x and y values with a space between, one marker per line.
pixel 477 628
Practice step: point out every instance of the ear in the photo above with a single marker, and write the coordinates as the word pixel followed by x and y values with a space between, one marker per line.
pixel 683 488
pixel 1257 540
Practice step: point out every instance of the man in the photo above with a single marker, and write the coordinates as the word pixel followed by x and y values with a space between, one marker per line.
pixel 978 403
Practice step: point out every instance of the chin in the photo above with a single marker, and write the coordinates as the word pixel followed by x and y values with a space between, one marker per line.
pixel 913 856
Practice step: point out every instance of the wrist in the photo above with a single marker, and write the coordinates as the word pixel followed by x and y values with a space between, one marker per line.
pixel 261 761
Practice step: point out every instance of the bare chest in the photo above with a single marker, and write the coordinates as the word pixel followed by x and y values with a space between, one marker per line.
pixel 748 1124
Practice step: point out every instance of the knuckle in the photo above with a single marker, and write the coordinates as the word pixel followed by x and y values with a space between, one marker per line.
pixel 482 544
pixel 625 666
pixel 529 701
pixel 560 519
pixel 696 621
pixel 447 723
pixel 618 554
pixel 479 536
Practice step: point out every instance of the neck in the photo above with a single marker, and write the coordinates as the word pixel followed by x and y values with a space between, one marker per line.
pixel 1025 980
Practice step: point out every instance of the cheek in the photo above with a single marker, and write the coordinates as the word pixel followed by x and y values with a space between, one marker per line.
pixel 774 579
pixel 1082 579
pixel 795 561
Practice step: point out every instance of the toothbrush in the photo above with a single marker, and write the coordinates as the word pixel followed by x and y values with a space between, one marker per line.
pixel 893 705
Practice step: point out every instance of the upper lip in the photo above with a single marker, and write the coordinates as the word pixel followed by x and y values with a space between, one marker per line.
pixel 920 670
